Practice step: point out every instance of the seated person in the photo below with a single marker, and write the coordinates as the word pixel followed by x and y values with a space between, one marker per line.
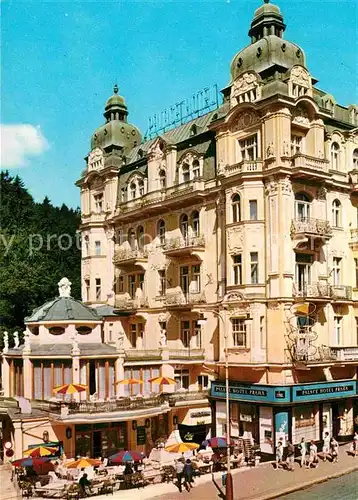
pixel 83 484
pixel 128 469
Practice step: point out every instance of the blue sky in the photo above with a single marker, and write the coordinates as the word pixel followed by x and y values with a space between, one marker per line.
pixel 60 60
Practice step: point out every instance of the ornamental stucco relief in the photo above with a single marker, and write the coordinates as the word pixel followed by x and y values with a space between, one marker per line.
pixel 301 76
pixel 95 159
pixel 235 239
pixel 300 116
pixel 245 120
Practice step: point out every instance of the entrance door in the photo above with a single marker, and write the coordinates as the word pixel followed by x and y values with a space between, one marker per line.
pixel 92 377
pixel 97 444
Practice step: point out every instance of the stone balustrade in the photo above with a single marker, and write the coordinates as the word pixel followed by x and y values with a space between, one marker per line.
pixel 179 298
pixel 311 162
pixel 315 227
pixel 187 242
pixel 244 167
pixel 123 255
pixel 187 353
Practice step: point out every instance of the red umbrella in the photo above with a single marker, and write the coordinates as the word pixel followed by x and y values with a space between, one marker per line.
pixel 126 456
pixel 30 461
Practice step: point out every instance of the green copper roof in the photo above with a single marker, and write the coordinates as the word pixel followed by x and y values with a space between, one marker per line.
pixel 63 309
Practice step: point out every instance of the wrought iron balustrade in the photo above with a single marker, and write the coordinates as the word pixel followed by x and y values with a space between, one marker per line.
pixel 181 242
pixel 129 254
pixel 123 404
pixel 187 396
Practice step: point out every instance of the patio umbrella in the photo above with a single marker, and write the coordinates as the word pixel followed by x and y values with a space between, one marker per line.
pixel 30 461
pixel 215 442
pixel 82 463
pixel 40 451
pixel 69 388
pixel 126 456
pixel 181 447
pixel 162 381
pixel 130 381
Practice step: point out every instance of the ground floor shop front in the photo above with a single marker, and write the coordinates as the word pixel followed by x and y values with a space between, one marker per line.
pixel 269 413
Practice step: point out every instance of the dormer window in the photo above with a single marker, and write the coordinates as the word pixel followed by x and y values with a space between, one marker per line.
pixel 193 130
pixel 186 172
pixel 133 191
pixel 136 187
pixel 196 169
pixel 141 187
pixel 335 154
pixel 190 167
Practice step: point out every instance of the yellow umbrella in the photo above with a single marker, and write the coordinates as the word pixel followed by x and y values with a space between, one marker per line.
pixel 83 462
pixel 181 447
pixel 130 381
pixel 69 388
pixel 162 381
pixel 40 451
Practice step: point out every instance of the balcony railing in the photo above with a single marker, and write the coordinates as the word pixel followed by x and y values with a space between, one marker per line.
pixel 187 353
pixel 123 404
pixel 184 243
pixel 354 237
pixel 143 354
pixel 126 303
pixel 180 299
pixel 189 396
pixel 345 353
pixel 130 254
pixel 244 167
pixel 312 227
pixel 323 290
pixel 305 161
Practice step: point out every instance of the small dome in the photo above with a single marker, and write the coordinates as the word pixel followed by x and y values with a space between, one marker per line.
pixel 115 100
pixel 63 309
pixel 267 8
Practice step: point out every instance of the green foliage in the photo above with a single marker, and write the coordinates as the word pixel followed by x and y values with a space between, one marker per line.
pixel 39 245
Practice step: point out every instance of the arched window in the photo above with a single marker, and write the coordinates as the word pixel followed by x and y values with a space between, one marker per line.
pixel 162 179
pixel 133 190
pixel 141 187
pixel 236 208
pixel 335 152
pixel 355 159
pixel 196 169
pixel 131 238
pixel 186 172
pixel 140 237
pixel 161 231
pixel 184 226
pixel 303 206
pixel 195 223
pixel 336 213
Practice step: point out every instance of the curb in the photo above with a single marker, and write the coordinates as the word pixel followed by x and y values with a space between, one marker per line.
pixel 307 484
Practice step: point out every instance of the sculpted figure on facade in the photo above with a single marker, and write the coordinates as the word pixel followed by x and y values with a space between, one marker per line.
pixel 64 287
pixel 16 340
pixel 271 187
pixel 270 151
pixel 322 193
pixel 6 342
pixel 286 148
pixel 286 186
pixel 163 338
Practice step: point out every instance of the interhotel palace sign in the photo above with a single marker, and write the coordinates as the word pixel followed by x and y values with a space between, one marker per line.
pixel 285 394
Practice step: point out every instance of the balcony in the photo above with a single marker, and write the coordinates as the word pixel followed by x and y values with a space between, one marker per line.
pixel 323 290
pixel 187 354
pixel 130 257
pixel 305 164
pixel 244 167
pixel 345 353
pixel 354 239
pixel 94 217
pixel 143 354
pixel 185 398
pixel 179 299
pixel 177 247
pixel 305 228
pixel 124 303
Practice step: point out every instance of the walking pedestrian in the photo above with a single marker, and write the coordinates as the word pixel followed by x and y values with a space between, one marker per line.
pixel 279 454
pixel 355 444
pixel 334 450
pixel 326 446
pixel 303 451
pixel 179 467
pixel 290 456
pixel 313 457
pixel 188 474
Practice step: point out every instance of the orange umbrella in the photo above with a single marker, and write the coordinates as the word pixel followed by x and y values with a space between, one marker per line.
pixel 130 381
pixel 40 451
pixel 181 447
pixel 162 381
pixel 69 388
pixel 83 462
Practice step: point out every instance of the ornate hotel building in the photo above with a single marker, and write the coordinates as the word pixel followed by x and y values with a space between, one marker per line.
pixel 237 229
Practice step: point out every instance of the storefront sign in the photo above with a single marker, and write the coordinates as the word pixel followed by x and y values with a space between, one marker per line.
pixel 259 393
pixel 281 426
pixel 315 392
pixel 141 435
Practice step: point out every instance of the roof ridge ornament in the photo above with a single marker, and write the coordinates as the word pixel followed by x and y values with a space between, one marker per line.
pixel 115 88
pixel 64 287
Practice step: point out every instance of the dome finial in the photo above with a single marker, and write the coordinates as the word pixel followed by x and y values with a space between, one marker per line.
pixel 115 88
pixel 266 1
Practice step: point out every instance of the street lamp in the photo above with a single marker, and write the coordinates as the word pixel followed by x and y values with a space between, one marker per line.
pixel 228 484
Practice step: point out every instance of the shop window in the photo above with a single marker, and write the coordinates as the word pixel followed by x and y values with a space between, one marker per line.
pixel 203 382
pixel 254 268
pixel 336 213
pixel 239 332
pixel 302 206
pixel 237 269
pixel 97 247
pixel 98 289
pixel 236 208
pixel 253 209
pixel 305 423
pixel 182 378
pixel 337 271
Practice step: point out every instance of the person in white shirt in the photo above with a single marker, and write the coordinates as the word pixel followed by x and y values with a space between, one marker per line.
pixel 326 446
pixel 303 450
pixel 313 457
pixel 279 454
